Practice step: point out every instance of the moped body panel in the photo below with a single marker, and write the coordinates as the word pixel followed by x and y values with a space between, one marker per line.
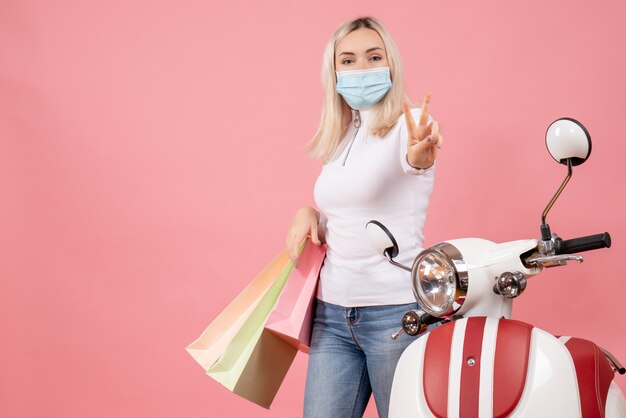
pixel 485 261
pixel 489 367
pixel 615 403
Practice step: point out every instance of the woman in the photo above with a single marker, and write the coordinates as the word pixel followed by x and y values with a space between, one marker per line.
pixel 377 165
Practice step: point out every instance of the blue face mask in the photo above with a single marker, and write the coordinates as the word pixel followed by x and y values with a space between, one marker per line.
pixel 363 88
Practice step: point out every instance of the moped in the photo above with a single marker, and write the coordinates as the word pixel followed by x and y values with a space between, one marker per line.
pixel 478 362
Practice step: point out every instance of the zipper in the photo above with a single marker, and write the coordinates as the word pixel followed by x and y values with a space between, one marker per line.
pixel 357 125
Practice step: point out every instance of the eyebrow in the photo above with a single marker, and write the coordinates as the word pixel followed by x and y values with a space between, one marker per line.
pixel 367 52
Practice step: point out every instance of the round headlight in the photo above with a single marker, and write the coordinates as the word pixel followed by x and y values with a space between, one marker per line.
pixel 437 284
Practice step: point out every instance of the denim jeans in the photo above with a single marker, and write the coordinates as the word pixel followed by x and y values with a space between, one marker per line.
pixel 352 355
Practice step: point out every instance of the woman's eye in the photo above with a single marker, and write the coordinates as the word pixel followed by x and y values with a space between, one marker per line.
pixel 376 58
pixel 347 61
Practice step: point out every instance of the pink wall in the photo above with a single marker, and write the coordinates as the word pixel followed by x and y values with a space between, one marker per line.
pixel 152 154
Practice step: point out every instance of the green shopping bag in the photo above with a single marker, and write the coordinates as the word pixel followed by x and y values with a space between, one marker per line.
pixel 211 344
pixel 256 361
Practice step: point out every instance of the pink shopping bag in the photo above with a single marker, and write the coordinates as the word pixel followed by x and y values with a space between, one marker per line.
pixel 292 316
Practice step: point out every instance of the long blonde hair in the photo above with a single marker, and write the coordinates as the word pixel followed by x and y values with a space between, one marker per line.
pixel 336 114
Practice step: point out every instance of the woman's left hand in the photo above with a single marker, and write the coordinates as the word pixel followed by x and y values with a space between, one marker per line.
pixel 424 139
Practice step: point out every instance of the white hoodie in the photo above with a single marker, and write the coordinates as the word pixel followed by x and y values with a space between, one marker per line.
pixel 370 179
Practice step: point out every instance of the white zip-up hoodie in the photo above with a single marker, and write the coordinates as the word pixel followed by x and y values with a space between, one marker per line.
pixel 369 179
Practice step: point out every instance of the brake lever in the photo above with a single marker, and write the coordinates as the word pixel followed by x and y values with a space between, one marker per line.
pixel 553 260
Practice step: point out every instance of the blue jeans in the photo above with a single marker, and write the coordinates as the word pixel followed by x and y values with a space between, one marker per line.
pixel 353 355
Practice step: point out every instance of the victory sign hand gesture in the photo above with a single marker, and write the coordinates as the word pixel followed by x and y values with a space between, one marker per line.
pixel 424 139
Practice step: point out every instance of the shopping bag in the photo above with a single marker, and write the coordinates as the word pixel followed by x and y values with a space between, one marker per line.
pixel 292 316
pixel 208 348
pixel 265 370
pixel 255 362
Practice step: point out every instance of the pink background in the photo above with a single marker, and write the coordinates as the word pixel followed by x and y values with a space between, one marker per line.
pixel 152 154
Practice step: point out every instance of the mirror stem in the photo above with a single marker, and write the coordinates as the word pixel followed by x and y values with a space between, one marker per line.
pixel 545 229
pixel 394 263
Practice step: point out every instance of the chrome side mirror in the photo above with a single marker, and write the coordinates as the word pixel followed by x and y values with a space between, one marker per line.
pixel 568 139
pixel 569 143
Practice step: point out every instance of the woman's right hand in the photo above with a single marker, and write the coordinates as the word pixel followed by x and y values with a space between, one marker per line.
pixel 304 223
pixel 424 139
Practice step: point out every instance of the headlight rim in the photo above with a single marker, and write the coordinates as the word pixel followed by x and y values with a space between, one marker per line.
pixel 455 259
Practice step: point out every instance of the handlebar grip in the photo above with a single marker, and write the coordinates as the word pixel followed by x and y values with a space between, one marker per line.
pixel 588 243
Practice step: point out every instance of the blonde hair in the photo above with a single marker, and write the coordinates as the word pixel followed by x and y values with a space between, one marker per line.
pixel 336 114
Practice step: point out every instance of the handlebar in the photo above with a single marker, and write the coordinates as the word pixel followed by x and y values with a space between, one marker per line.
pixel 588 243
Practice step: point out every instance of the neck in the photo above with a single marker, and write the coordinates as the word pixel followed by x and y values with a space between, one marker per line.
pixel 364 114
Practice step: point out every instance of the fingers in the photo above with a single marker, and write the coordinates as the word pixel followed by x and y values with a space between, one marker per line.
pixel 427 145
pixel 408 117
pixel 422 154
pixel 419 131
pixel 292 250
pixel 425 151
pixel 433 141
pixel 425 110
pixel 437 137
pixel 434 129
pixel 303 224
pixel 295 240
pixel 314 237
